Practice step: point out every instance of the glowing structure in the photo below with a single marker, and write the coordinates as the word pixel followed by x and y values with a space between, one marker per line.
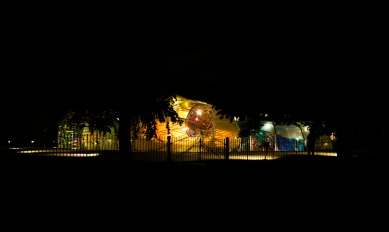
pixel 200 122
pixel 285 138
pixel 75 139
pixel 278 137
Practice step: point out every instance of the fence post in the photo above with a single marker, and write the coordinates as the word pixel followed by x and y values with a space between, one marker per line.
pixel 227 148
pixel 296 146
pixel 200 149
pixel 169 154
pixel 248 147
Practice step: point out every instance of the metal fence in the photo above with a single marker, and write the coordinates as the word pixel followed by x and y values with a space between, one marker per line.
pixel 169 149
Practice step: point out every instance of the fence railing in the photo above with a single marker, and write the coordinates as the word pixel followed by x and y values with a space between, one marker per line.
pixel 170 149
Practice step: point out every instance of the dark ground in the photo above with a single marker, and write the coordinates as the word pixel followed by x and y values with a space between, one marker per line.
pixel 304 188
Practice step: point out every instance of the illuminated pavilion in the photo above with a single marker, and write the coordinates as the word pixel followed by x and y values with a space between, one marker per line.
pixel 200 122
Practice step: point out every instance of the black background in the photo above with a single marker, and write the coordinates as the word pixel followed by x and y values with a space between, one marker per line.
pixel 57 58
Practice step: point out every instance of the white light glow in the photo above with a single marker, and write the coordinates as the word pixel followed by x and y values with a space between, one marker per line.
pixel 267 126
pixel 43 153
pixel 271 155
pixel 33 151
pixel 198 112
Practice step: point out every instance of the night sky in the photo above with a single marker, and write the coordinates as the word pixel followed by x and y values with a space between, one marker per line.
pixel 56 58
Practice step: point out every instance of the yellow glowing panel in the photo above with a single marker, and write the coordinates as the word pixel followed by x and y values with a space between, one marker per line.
pixel 203 112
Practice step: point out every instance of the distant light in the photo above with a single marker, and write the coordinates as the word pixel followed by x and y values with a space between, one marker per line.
pixel 266 115
pixel 62 154
pixel 32 141
pixel 9 141
pixel 267 126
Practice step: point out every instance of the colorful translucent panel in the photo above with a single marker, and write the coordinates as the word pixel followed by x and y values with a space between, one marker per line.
pixel 200 121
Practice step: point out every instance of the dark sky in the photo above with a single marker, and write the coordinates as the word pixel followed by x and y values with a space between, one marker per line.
pixel 56 56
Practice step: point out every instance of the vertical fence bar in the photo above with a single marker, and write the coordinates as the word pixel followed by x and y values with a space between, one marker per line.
pixel 247 148
pixel 169 155
pixel 296 146
pixel 227 147
pixel 200 149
